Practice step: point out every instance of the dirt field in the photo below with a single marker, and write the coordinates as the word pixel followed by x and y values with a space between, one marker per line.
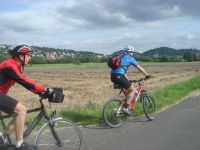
pixel 83 86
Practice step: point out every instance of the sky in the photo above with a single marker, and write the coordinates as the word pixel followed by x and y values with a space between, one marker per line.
pixel 101 26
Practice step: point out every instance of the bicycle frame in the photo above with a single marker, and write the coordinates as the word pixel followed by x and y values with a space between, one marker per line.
pixel 140 89
pixel 114 113
pixel 37 119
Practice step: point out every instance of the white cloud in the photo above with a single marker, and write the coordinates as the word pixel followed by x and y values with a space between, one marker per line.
pixel 68 42
pixel 101 25
pixel 190 36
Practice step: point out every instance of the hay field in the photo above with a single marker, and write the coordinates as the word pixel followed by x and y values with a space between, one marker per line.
pixel 86 85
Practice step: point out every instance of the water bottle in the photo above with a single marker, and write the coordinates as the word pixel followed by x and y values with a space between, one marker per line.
pixel 135 95
pixel 25 126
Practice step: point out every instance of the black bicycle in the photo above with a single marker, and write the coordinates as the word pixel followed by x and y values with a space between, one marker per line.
pixel 56 133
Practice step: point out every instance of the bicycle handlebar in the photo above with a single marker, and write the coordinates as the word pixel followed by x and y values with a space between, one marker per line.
pixel 141 79
pixel 41 98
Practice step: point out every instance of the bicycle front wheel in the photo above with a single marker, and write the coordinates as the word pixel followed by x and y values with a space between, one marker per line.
pixel 60 134
pixel 149 106
pixel 112 113
pixel 1 139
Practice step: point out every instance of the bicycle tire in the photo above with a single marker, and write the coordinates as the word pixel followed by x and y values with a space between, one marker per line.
pixel 1 139
pixel 110 117
pixel 149 106
pixel 69 132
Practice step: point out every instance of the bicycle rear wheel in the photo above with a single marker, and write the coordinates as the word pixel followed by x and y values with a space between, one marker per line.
pixel 112 113
pixel 68 133
pixel 149 106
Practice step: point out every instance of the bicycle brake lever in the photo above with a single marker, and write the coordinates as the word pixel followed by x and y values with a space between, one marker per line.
pixel 133 81
pixel 141 79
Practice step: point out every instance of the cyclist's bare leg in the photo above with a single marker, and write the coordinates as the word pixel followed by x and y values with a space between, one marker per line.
pixel 129 94
pixel 20 110
pixel 122 103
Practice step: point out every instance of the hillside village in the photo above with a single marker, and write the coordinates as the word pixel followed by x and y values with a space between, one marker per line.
pixel 55 55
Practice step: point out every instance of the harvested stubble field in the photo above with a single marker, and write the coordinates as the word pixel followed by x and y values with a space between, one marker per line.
pixel 84 86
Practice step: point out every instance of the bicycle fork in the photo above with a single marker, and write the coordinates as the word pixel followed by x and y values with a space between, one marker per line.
pixel 6 133
pixel 55 135
pixel 118 110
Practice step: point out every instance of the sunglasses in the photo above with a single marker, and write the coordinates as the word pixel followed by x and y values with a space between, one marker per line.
pixel 28 55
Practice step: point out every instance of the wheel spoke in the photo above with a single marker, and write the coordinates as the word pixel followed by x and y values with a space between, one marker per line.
pixel 149 106
pixel 70 136
pixel 112 113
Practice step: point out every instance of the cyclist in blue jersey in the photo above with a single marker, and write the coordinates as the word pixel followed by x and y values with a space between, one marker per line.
pixel 119 76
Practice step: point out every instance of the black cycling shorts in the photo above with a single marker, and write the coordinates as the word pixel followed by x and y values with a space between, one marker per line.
pixel 7 103
pixel 121 80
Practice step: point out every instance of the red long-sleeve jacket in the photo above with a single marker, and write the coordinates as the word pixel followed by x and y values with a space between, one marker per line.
pixel 10 73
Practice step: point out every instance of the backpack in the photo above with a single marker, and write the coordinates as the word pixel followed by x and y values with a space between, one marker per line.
pixel 114 62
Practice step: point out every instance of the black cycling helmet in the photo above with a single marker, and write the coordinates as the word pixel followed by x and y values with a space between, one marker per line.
pixel 20 49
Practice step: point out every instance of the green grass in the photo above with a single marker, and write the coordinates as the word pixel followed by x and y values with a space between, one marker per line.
pixel 173 93
pixel 83 116
pixel 163 97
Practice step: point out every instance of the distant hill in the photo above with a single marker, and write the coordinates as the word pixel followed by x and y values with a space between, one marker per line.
pixel 182 51
pixel 60 53
pixel 162 51
pixel 169 52
pixel 55 55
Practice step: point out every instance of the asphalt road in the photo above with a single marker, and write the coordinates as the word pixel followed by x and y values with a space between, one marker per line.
pixel 177 128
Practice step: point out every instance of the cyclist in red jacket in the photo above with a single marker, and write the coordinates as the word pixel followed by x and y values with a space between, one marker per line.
pixel 10 73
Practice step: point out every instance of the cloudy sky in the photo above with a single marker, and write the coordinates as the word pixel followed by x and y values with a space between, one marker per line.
pixel 101 26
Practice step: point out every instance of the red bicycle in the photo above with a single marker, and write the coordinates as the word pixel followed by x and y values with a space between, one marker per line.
pixel 112 111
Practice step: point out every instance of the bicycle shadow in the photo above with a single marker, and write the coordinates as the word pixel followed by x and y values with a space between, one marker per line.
pixel 103 125
pixel 7 147
pixel 97 126
pixel 138 119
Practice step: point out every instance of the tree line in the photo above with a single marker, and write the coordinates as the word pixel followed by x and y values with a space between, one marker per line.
pixel 88 59
pixel 187 56
pixel 77 57
pixel 63 60
pixel 68 59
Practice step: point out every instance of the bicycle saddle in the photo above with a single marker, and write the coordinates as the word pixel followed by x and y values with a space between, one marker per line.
pixel 116 86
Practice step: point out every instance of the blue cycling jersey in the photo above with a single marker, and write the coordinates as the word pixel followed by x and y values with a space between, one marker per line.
pixel 126 61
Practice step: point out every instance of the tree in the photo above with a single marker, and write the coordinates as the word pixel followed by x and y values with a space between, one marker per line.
pixel 3 57
pixel 188 56
pixel 194 57
pixel 164 59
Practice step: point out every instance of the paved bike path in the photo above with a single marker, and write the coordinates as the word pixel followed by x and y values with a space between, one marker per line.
pixel 177 128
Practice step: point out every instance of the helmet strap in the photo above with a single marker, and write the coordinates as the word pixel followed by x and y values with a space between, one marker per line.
pixel 22 61
pixel 130 53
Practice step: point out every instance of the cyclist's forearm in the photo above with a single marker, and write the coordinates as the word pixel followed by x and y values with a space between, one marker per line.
pixel 126 76
pixel 142 70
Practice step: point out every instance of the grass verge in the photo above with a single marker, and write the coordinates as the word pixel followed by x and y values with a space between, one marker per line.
pixel 173 93
pixel 92 114
pixel 163 97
